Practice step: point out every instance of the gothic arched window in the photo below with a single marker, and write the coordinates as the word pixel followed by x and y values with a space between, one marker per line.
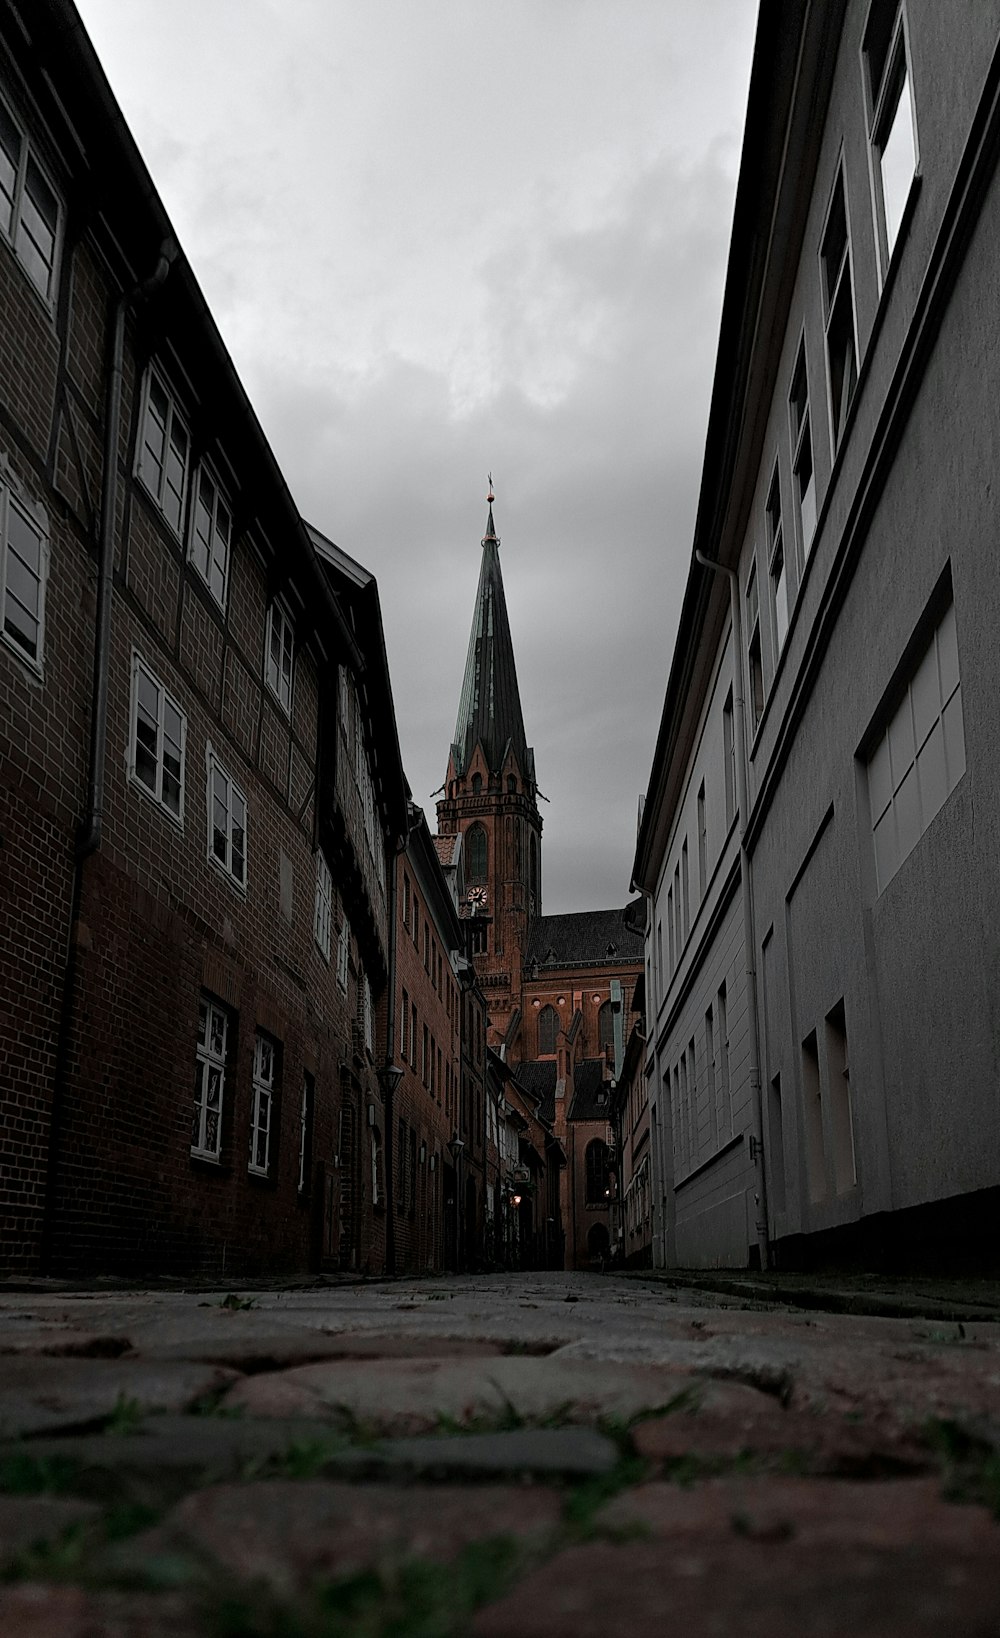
pixel 598 1172
pixel 548 1024
pixel 477 784
pixel 475 841
pixel 533 871
pixel 605 1026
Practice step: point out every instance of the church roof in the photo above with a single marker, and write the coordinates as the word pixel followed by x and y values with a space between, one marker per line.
pixel 489 710
pixel 540 1080
pixel 584 938
pixel 591 1096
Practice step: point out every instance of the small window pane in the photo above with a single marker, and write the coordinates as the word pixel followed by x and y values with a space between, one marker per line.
pixel 907 806
pixel 932 774
pixel 898 160
pixel 954 739
pixel 947 637
pixel 926 696
pixel 901 745
pixel 880 780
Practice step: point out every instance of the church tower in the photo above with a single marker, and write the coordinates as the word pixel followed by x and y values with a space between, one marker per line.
pixel 492 801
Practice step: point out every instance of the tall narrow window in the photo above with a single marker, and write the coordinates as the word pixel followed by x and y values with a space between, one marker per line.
pixel 685 889
pixel 891 126
pixel 838 311
pixel 279 660
pixel 211 536
pixel 164 450
pixel 323 912
pixel 753 648
pixel 30 213
pixel 156 749
pixel 921 756
pixel 803 475
pixel 725 1082
pixel 678 924
pixel 24 558
pixel 548 1025
pixel 729 757
pixel 475 840
pixel 713 1111
pixel 671 933
pixel 261 1110
pixel 702 843
pixel 366 1013
pixel 685 1112
pixel 598 1173
pixel 693 1095
pixel 845 1171
pixel 343 953
pixel 227 822
pixel 777 569
pixel 812 1112
pixel 209 1079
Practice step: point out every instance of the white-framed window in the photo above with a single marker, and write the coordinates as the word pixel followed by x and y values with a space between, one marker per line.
pixel 24 567
pixel 803 475
pixel 323 916
pixel 209 1079
pixel 366 1012
pixel 343 953
pixel 838 309
pixel 777 567
pixel 754 661
pixel 227 822
pixel 892 132
pixel 279 659
pixel 264 1076
pixel 30 209
pixel 156 743
pixel 921 756
pixel 164 455
pixel 211 535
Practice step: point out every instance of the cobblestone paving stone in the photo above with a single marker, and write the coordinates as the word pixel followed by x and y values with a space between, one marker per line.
pixel 546 1453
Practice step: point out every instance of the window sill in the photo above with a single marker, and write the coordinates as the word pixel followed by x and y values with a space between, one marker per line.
pixel 161 807
pixel 227 876
pixel 202 1160
pixel 32 667
pixel 259 1178
pixel 710 1160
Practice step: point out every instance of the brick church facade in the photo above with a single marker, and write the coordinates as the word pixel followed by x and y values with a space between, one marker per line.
pixel 557 988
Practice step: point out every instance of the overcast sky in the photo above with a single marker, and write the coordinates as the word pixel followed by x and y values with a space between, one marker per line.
pixel 447 237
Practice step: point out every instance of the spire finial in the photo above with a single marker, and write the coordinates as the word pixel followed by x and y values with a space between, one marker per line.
pixel 491 533
pixel 490 497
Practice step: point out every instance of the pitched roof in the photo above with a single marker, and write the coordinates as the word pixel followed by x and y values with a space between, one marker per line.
pixel 591 1097
pixel 489 710
pixel 584 938
pixel 540 1080
pixel 447 849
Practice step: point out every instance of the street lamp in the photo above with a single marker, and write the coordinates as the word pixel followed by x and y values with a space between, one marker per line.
pixel 389 1077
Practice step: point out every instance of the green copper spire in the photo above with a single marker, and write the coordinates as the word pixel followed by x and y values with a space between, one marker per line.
pixel 490 706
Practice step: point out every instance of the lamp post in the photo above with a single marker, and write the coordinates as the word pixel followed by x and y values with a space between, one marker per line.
pixel 389 1077
pixel 455 1147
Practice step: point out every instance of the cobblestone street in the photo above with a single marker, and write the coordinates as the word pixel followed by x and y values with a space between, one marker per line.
pixel 551 1454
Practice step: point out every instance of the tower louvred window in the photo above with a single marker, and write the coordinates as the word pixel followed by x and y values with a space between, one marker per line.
pixel 478 857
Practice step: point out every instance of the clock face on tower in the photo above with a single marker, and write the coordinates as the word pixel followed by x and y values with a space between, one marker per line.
pixel 477 898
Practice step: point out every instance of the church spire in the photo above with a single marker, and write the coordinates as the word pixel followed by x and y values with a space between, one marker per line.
pixel 489 710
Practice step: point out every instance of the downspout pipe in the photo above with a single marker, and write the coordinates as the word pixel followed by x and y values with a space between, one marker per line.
pixel 746 885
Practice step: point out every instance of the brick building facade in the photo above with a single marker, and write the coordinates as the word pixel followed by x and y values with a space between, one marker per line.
pixel 199 779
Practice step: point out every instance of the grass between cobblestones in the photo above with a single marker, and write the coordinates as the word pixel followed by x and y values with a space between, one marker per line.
pixel 416 1597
